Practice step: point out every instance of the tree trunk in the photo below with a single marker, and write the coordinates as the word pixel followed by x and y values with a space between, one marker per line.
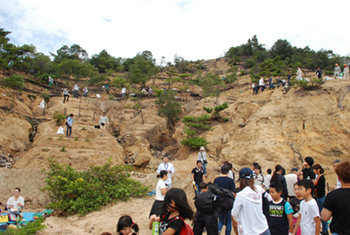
pixel 171 125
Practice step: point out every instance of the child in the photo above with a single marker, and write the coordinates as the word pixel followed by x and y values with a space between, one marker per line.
pixel 174 211
pixel 309 218
pixel 259 178
pixel 280 211
pixel 295 203
pixel 267 179
pixel 126 226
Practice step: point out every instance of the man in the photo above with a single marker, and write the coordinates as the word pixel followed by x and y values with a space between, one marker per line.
pixel 69 125
pixel 50 80
pixel 16 201
pixel 288 78
pixel 65 94
pixel 262 84
pixel 227 183
pixel 337 71
pixel 306 169
pixel 198 176
pixel 291 179
pixel 123 91
pixel 86 91
pixel 167 166
pixel 346 72
pixel 103 121
pixel 76 91
pixel 202 156
pixel 319 73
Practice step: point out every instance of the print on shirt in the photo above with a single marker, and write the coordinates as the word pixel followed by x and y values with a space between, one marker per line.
pixel 276 210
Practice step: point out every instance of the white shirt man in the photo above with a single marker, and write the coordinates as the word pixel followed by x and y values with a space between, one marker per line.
pixel 291 179
pixel 166 165
pixel 15 202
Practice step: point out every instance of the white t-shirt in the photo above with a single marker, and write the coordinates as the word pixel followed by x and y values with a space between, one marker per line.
pixel 338 184
pixel 13 201
pixel 159 195
pixel 267 181
pixel 253 86
pixel 123 90
pixel 291 179
pixel 261 82
pixel 308 210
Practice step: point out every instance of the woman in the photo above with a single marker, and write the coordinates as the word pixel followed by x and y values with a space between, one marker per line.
pixel 161 190
pixel 320 191
pixel 174 211
pixel 248 206
pixel 259 178
pixel 278 177
pixel 202 156
pixel 16 202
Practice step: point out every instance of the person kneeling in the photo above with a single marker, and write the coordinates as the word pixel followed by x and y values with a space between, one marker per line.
pixel 15 202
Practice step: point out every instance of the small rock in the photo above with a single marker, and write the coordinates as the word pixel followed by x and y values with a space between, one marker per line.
pixel 242 124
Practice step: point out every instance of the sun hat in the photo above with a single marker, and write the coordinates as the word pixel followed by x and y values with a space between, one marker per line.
pixel 245 173
pixel 202 148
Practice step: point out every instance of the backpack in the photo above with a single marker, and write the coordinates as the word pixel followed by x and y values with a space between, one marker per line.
pixel 206 203
pixel 186 229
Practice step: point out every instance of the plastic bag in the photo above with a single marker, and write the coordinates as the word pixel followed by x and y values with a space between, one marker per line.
pixel 60 131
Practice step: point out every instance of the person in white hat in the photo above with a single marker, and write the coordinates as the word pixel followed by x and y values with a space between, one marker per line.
pixel 202 156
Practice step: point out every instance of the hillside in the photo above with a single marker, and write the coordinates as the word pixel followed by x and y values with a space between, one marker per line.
pixel 270 128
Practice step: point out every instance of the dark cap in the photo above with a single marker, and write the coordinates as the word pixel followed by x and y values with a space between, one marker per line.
pixel 294 169
pixel 245 173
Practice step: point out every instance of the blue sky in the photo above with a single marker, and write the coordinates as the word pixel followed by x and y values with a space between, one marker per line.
pixel 194 29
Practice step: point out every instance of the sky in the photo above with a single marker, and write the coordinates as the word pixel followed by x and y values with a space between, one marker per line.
pixel 193 29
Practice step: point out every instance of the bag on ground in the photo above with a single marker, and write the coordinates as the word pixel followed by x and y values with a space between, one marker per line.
pixel 60 131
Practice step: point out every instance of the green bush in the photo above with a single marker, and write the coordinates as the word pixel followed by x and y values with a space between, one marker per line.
pixel 250 62
pixel 29 229
pixel 195 82
pixel 219 108
pixel 209 110
pixel 312 85
pixel 83 191
pixel 158 92
pixel 60 118
pixel 195 142
pixel 111 97
pixel 243 72
pixel 63 149
pixel 225 119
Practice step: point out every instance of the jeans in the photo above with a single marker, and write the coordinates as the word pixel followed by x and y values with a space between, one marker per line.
pixel 267 232
pixel 198 191
pixel 64 98
pixel 210 222
pixel 69 130
pixel 205 168
pixel 320 207
pixel 85 94
pixel 225 219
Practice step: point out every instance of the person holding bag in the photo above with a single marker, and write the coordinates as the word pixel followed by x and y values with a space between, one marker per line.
pixel 202 156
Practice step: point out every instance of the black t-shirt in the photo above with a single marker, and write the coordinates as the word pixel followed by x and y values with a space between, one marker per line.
pixel 198 175
pixel 320 187
pixel 278 221
pixel 309 174
pixel 295 203
pixel 225 182
pixel 338 202
pixel 174 223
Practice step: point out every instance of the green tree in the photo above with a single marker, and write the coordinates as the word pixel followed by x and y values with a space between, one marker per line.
pixel 72 52
pixel 212 85
pixel 140 71
pixel 13 82
pixel 193 127
pixel 104 61
pixel 75 68
pixel 169 107
pixel 281 48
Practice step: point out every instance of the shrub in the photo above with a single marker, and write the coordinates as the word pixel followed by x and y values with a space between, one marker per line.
pixel 195 142
pixel 111 97
pixel 219 108
pixel 158 92
pixel 225 119
pixel 83 128
pixel 312 85
pixel 242 72
pixel 29 229
pixel 195 82
pixel 63 149
pixel 50 138
pixel 83 191
pixel 87 139
pixel 60 137
pixel 60 118
pixel 76 138
pixel 209 110
pixel 250 62
pixel 46 97
pixel 133 98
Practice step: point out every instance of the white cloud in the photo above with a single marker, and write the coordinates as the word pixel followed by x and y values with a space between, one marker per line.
pixel 195 29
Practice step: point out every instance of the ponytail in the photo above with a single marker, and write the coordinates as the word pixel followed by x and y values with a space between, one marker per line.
pixel 318 167
pixel 162 174
pixel 135 227
pixel 126 222
pixel 277 169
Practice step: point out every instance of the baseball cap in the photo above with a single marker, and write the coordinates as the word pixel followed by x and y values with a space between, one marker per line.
pixel 245 173
pixel 294 169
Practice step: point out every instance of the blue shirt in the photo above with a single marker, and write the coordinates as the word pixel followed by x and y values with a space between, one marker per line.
pixel 225 182
pixel 70 121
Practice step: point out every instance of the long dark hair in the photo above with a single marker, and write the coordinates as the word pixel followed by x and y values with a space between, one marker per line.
pixel 179 197
pixel 244 182
pixel 277 169
pixel 318 167
pixel 126 222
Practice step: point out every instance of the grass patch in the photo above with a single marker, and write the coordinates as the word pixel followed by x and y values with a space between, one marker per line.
pixel 87 139
pixel 76 138
pixel 29 229
pixel 63 149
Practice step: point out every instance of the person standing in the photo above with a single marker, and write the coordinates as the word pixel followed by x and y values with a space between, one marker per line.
pixel 258 178
pixel 123 91
pixel 279 178
pixel 247 206
pixel 291 179
pixel 254 88
pixel 267 179
pixel 65 94
pixel 161 190
pixel 337 203
pixel 166 165
pixel 337 71
pixel 262 84
pixel 227 183
pixel 76 91
pixel 346 72
pixel 198 176
pixel 319 73
pixel 16 201
pixel 288 78
pixel 335 163
pixel 86 91
pixel 202 156
pixel 299 74
pixel 320 192
pixel 50 80
pixel 69 125
pixel 306 169
pixel 103 121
